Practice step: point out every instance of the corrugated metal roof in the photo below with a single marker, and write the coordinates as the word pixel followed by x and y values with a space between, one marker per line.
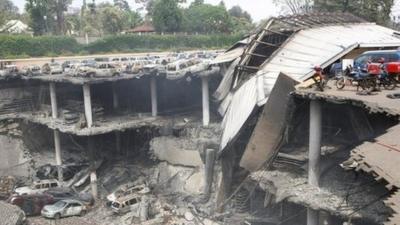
pixel 296 58
pixel 228 56
pixel 316 46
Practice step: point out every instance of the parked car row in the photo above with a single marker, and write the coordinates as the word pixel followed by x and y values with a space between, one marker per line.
pixel 178 64
pixel 49 199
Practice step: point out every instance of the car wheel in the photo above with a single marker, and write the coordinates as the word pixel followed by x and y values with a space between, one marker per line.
pixel 57 216
pixel 82 213
pixel 116 74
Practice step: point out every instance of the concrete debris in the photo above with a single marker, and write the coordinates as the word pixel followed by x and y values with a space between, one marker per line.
pixel 7 185
pixel 340 193
pixel 11 214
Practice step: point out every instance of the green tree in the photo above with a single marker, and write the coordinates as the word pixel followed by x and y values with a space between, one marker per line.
pixel 131 19
pixel 111 19
pixel 372 10
pixel 206 18
pixel 122 5
pixel 238 12
pixel 7 11
pixel 47 16
pixel 167 16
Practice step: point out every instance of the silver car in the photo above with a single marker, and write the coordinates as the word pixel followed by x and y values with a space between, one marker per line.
pixel 64 208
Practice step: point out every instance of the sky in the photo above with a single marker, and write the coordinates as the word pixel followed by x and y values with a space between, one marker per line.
pixel 258 9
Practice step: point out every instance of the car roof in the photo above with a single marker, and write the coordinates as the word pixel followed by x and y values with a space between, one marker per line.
pixel 381 51
pixel 71 201
pixel 127 197
pixel 45 181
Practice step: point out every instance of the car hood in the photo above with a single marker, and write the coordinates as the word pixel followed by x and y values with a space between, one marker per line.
pixel 111 197
pixel 51 208
pixel 23 189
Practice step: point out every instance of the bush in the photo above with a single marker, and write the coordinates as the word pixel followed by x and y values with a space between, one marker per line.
pixel 26 46
pixel 20 45
pixel 125 43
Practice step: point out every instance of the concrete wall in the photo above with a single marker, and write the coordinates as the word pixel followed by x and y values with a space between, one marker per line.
pixel 14 160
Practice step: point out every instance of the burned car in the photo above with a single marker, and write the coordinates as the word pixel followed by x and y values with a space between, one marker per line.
pixel 127 203
pixel 30 71
pixel 48 171
pixel 9 70
pixel 136 66
pixel 52 68
pixel 31 204
pixel 126 190
pixel 100 70
pixel 185 68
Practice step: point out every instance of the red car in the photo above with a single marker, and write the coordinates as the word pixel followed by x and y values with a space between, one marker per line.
pixel 32 205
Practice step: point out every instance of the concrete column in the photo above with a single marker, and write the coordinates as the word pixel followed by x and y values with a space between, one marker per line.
pixel 93 175
pixel 206 101
pixel 153 90
pixel 53 100
pixel 57 146
pixel 56 133
pixel 312 217
pixel 88 105
pixel 209 171
pixel 115 97
pixel 314 154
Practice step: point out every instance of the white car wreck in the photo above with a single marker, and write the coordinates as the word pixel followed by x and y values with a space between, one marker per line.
pixel 100 70
pixel 126 190
pixel 38 187
pixel 184 68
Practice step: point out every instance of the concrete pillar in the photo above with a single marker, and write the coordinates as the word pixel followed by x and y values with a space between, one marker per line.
pixel 312 217
pixel 56 133
pixel 153 90
pixel 115 97
pixel 314 154
pixel 57 146
pixel 53 100
pixel 144 209
pixel 88 105
pixel 206 101
pixel 93 175
pixel 209 171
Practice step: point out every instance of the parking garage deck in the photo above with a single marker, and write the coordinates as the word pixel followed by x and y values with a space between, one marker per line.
pixel 377 102
pixel 108 124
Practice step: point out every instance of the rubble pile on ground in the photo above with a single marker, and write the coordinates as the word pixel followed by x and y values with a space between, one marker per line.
pixel 11 214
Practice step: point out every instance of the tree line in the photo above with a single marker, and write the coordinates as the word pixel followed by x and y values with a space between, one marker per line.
pixel 371 10
pixel 116 16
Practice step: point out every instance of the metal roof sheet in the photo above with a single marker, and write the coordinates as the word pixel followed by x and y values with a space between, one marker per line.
pixel 316 46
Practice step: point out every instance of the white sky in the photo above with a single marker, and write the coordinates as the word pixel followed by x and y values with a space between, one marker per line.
pixel 258 9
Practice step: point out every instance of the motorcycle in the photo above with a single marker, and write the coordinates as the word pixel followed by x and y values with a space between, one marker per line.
pixel 359 78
